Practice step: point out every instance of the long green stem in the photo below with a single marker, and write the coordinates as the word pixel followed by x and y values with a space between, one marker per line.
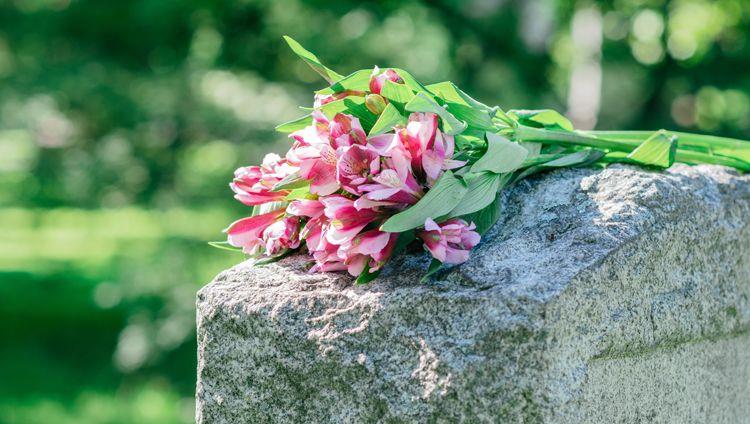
pixel 697 148
pixel 566 138
pixel 709 142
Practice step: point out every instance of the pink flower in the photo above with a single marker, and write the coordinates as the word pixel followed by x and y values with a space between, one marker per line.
pixel 356 166
pixel 317 147
pixel 450 241
pixel 313 154
pixel 323 252
pixel 281 235
pixel 370 248
pixel 247 232
pixel 395 184
pixel 322 99
pixel 430 150
pixel 327 258
pixel 345 130
pixel 252 184
pixel 379 78
pixel 310 208
pixel 346 221
pixel 384 143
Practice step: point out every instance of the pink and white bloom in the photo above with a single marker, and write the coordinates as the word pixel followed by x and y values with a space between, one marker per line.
pixel 313 154
pixel 450 241
pixel 345 220
pixel 357 166
pixel 281 235
pixel 384 143
pixel 252 184
pixel 370 248
pixel 378 79
pixel 311 208
pixel 345 130
pixel 323 252
pixel 430 150
pixel 396 184
pixel 327 258
pixel 247 233
pixel 318 146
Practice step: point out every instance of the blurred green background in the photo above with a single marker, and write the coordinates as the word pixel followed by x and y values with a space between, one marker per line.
pixel 121 123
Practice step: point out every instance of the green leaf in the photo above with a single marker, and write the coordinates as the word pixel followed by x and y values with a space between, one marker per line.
pixel 448 91
pixel 440 200
pixel 396 93
pixel 423 103
pixel 466 141
pixel 366 276
pixel 658 150
pixel 485 218
pixel 224 245
pixel 502 155
pixel 542 159
pixel 545 118
pixel 434 267
pixel 312 60
pixel 291 182
pixel 481 192
pixel 389 118
pixel 403 240
pixel 265 260
pixel 295 125
pixel 330 109
pixel 300 193
pixel 579 158
pixel 472 116
pixel 356 106
pixel 534 148
pixel 356 81
pixel 352 105
pixel 412 82
pixel 269 207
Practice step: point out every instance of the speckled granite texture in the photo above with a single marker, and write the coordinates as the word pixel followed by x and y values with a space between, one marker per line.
pixel 618 296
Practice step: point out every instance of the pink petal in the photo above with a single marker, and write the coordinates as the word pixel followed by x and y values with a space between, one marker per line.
pixel 438 250
pixel 340 235
pixel 357 265
pixel 470 239
pixel 322 176
pixel 383 143
pixel 382 194
pixel 246 232
pixel 431 225
pixel 305 207
pixel 371 242
pixel 432 163
pixel 365 203
pixel 455 256
pixel 453 164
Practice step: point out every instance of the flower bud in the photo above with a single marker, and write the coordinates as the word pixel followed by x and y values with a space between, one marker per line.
pixel 375 103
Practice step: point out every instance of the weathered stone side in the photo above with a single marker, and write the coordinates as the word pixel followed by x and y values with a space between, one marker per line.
pixel 602 296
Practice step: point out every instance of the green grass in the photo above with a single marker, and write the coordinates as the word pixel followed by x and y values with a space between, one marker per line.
pixel 98 312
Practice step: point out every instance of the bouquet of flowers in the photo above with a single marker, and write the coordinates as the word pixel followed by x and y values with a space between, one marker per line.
pixel 382 162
